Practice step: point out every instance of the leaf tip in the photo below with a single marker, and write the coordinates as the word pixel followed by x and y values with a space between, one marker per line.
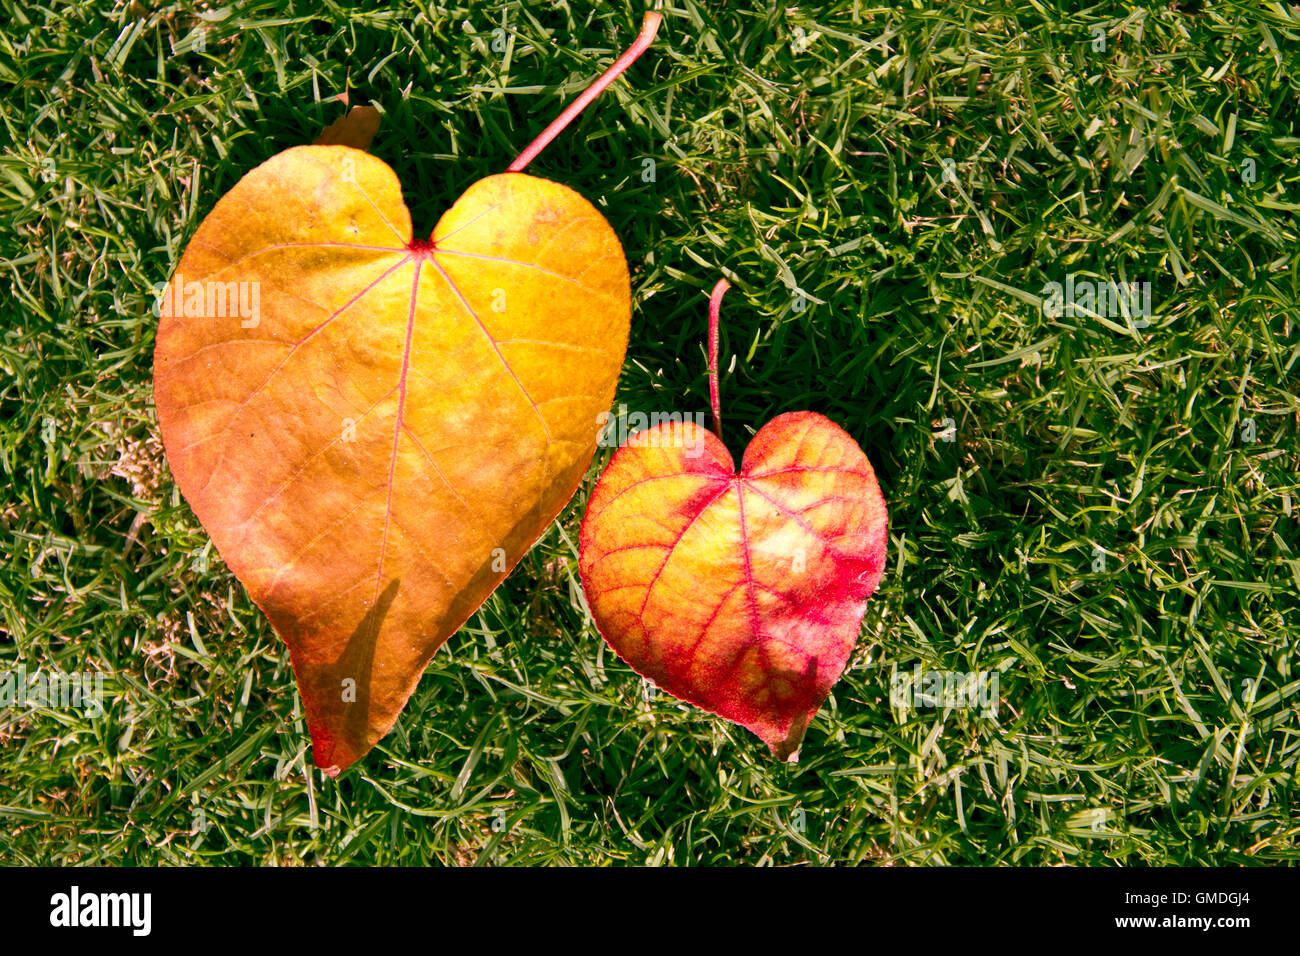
pixel 356 128
pixel 786 749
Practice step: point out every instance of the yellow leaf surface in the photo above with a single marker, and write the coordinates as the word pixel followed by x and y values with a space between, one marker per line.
pixel 374 430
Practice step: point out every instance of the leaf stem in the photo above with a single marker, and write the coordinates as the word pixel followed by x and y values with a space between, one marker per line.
pixel 649 27
pixel 715 311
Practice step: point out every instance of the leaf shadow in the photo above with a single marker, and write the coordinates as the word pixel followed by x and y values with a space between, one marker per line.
pixel 356 663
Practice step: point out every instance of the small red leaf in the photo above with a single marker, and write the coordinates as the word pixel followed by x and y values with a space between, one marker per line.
pixel 742 593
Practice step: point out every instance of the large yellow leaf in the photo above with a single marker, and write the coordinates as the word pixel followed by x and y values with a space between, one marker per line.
pixel 374 430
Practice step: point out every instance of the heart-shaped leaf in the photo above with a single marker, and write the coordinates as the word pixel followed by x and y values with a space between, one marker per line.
pixel 739 592
pixel 374 430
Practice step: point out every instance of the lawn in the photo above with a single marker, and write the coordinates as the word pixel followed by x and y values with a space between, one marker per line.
pixel 1091 512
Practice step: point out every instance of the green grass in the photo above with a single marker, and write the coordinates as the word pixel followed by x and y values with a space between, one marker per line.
pixel 1099 531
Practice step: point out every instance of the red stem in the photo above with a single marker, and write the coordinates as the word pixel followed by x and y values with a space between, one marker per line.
pixel 715 310
pixel 649 27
